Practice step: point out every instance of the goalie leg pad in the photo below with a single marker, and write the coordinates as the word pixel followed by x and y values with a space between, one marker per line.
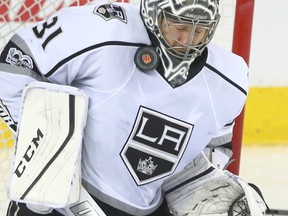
pixel 46 164
pixel 203 189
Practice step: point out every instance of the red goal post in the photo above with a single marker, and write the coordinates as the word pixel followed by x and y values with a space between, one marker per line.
pixel 241 45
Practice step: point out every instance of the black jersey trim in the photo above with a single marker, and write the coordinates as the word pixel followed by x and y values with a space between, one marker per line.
pixel 87 49
pixel 206 172
pixel 226 78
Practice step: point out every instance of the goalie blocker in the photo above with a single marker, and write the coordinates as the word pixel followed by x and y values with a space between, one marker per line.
pixel 48 145
pixel 203 189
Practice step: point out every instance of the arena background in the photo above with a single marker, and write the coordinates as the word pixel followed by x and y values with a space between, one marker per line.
pixel 266 115
pixel 264 156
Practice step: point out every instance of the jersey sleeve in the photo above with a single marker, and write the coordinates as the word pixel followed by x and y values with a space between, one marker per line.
pixel 64 49
pixel 228 80
pixel 17 69
pixel 26 58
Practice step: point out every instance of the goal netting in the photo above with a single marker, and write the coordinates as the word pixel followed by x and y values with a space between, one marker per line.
pixel 17 14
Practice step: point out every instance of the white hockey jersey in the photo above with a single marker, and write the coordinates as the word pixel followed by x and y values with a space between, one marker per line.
pixel 139 129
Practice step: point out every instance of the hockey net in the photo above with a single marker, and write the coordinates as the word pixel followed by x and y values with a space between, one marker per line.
pixel 17 14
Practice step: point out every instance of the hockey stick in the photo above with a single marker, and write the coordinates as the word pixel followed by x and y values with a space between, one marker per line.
pixel 86 205
pixel 6 117
pixel 277 212
pixel 269 210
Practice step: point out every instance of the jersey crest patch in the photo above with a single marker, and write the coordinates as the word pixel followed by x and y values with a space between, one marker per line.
pixel 155 145
pixel 17 58
pixel 110 11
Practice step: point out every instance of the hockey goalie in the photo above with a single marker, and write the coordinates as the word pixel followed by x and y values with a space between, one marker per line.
pixel 46 166
pixel 123 111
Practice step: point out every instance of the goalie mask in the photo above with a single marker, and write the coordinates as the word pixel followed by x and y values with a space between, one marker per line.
pixel 182 29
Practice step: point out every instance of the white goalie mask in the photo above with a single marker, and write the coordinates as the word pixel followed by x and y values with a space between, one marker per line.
pixel 163 17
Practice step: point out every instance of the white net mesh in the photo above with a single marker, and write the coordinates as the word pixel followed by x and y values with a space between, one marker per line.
pixel 17 14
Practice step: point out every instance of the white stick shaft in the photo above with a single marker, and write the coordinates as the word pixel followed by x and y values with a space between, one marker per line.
pixel 6 117
pixel 86 206
pixel 277 212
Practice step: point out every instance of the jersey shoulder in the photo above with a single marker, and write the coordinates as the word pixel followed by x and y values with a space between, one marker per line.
pixel 228 65
pixel 77 28
pixel 227 78
pixel 78 31
pixel 97 23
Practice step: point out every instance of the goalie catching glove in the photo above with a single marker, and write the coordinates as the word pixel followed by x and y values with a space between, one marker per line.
pixel 202 189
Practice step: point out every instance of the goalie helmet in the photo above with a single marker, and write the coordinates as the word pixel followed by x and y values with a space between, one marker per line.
pixel 176 59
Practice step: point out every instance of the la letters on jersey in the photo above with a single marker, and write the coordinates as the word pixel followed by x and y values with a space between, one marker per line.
pixel 110 11
pixel 155 145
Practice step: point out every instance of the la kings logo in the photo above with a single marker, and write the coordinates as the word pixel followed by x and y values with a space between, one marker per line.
pixel 155 145
pixel 110 11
